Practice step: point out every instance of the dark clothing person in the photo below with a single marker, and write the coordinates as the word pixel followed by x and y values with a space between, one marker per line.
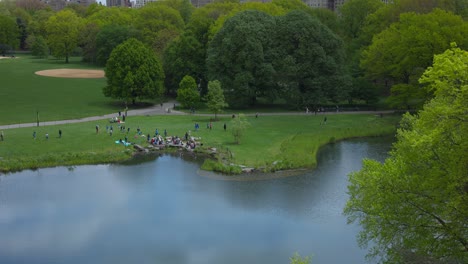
pixel 224 126
pixel 60 133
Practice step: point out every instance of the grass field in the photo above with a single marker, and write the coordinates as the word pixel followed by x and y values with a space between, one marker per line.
pixel 292 141
pixel 23 93
pixel 286 141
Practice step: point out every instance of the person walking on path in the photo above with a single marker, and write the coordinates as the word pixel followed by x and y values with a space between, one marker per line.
pixel 60 133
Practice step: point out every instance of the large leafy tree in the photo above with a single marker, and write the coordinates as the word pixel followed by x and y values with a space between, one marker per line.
pixel 354 14
pixel 159 24
pixel 238 57
pixel 184 7
pixel 9 33
pixel 405 49
pixel 109 37
pixel 184 56
pixel 38 46
pixel 188 55
pixel 215 97
pixel 308 59
pixel 133 72
pixel 63 30
pixel 415 205
pixel 188 94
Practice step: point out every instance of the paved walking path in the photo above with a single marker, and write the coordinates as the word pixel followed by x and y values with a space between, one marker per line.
pixel 158 110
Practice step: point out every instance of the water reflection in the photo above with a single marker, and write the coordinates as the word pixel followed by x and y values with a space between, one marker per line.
pixel 163 212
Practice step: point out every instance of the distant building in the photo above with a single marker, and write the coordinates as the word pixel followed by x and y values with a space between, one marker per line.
pixel 61 4
pixel 125 3
pixel 141 3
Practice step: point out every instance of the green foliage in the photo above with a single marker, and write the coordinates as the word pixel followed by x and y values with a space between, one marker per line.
pixel 293 57
pixel 88 42
pixel 238 57
pixel 133 72
pixel 37 25
pixel 354 13
pixel 238 126
pixel 38 46
pixel 184 56
pixel 297 259
pixel 63 30
pixel 109 37
pixel 184 7
pixel 416 203
pixel 402 51
pixel 219 166
pixel 158 24
pixel 188 94
pixel 111 16
pixel 9 33
pixel 308 60
pixel 215 97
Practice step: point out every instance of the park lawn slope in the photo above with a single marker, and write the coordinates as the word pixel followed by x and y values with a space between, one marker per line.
pixel 24 93
pixel 289 141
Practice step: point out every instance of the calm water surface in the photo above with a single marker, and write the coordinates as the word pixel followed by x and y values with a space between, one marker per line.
pixel 162 211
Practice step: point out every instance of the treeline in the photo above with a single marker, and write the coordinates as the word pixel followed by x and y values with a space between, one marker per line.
pixel 281 50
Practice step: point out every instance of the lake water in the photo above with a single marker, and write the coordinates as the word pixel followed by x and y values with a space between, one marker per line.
pixel 163 211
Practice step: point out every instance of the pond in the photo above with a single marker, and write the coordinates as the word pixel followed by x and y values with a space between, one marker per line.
pixel 163 211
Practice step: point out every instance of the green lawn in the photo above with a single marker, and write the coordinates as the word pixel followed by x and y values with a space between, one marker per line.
pixel 23 93
pixel 292 140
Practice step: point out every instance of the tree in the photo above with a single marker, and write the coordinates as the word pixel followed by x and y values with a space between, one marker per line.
pixel 184 56
pixel 354 14
pixel 9 33
pixel 308 59
pixel 109 37
pixel 184 7
pixel 159 24
pixel 88 42
pixel 238 126
pixel 414 40
pixel 133 72
pixel 238 57
pixel 38 46
pixel 63 30
pixel 416 203
pixel 188 94
pixel 215 97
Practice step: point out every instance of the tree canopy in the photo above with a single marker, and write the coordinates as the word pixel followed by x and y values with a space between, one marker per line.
pixel 9 33
pixel 405 49
pixel 293 56
pixel 133 72
pixel 215 97
pixel 416 203
pixel 188 94
pixel 63 30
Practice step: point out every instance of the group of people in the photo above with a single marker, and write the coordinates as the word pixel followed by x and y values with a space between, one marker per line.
pixel 34 134
pixel 158 140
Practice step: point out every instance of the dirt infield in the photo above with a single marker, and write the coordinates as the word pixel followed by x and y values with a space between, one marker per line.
pixel 72 73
